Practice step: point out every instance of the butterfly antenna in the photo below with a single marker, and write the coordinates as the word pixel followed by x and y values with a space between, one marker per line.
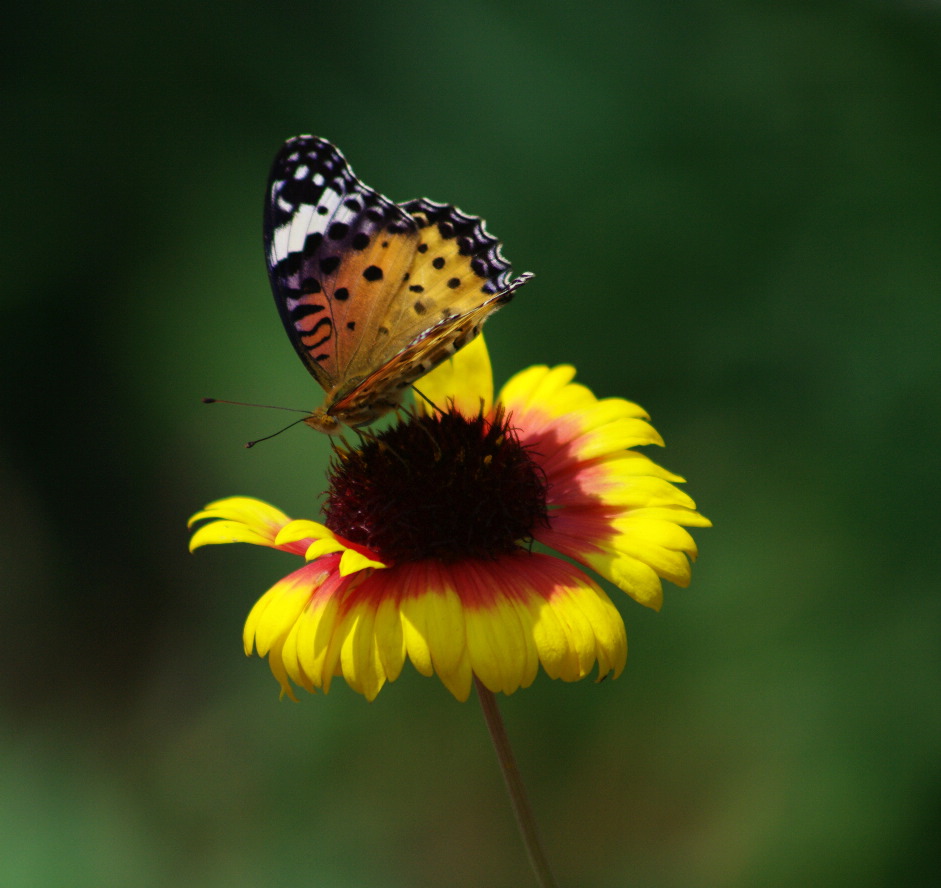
pixel 243 404
pixel 274 434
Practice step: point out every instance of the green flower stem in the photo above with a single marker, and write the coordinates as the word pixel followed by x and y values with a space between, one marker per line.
pixel 514 786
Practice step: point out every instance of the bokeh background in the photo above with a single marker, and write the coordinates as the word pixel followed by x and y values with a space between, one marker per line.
pixel 734 214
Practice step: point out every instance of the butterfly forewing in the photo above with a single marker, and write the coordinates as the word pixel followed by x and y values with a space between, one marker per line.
pixel 336 252
pixel 372 294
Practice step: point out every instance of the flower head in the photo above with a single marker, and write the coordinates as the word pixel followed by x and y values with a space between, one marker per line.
pixel 427 548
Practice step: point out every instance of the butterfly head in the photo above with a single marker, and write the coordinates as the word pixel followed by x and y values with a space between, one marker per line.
pixel 322 421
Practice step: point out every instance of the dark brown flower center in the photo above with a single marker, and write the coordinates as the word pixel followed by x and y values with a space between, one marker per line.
pixel 441 487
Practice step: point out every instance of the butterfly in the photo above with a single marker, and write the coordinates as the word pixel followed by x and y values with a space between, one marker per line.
pixel 373 294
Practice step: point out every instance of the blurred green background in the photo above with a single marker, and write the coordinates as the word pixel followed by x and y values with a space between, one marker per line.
pixel 734 214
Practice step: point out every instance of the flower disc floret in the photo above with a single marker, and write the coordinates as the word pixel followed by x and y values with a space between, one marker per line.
pixel 441 486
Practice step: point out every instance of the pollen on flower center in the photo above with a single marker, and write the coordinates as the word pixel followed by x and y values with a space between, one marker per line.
pixel 443 487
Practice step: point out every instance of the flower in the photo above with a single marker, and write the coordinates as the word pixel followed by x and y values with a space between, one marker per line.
pixel 427 550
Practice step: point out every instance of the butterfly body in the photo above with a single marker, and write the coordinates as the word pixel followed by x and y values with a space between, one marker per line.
pixel 372 294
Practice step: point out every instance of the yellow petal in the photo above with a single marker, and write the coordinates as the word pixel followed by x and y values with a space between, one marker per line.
pixel 637 579
pixel 415 636
pixel 238 519
pixel 581 637
pixel 360 662
pixel 528 666
pixel 535 384
pixel 444 623
pixel 610 643
pixel 466 378
pixel 303 529
pixel 228 532
pixel 314 635
pixel 273 615
pixel 352 561
pixel 289 658
pixel 673 514
pixel 390 639
pixel 319 548
pixel 244 509
pixel 614 436
pixel 550 638
pixel 495 645
pixel 276 665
